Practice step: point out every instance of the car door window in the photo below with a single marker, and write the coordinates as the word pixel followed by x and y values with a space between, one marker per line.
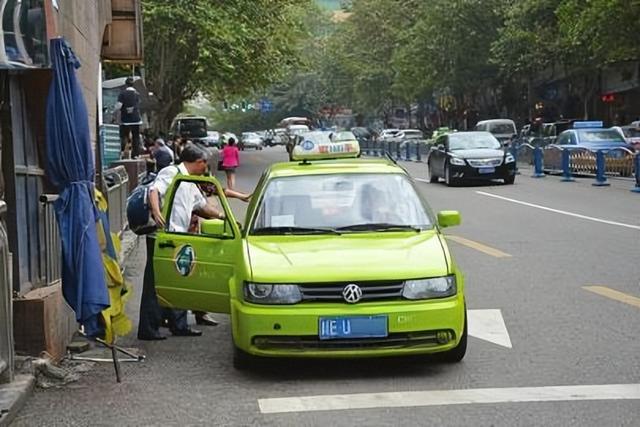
pixel 189 201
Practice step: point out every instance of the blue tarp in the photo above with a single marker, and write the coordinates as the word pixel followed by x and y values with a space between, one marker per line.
pixel 72 171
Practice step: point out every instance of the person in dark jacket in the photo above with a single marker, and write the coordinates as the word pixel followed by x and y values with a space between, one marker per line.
pixel 130 119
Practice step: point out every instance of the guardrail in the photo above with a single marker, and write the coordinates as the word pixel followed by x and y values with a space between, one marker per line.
pixel 116 182
pixel 581 161
pixel 551 158
pixel 52 245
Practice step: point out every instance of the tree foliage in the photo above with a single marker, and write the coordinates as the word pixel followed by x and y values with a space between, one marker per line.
pixel 480 52
pixel 219 48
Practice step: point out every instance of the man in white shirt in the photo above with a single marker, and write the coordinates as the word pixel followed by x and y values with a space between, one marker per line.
pixel 187 200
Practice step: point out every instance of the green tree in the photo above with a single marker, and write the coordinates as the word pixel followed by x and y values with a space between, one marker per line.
pixel 217 48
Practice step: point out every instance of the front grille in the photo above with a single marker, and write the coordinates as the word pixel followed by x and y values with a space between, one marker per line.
pixel 483 163
pixel 395 340
pixel 371 291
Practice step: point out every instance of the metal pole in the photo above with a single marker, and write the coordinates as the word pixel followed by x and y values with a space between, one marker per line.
pixel 407 152
pixel 566 168
pixel 601 179
pixel 418 155
pixel 398 151
pixel 537 161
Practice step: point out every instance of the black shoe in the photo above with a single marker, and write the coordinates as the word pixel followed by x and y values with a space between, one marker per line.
pixel 157 337
pixel 207 320
pixel 187 333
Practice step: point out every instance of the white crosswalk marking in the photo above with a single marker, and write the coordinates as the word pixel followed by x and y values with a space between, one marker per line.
pixel 450 397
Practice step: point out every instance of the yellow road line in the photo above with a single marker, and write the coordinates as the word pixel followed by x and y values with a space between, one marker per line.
pixel 478 246
pixel 614 295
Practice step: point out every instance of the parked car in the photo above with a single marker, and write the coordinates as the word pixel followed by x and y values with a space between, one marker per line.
pixel 407 134
pixel 470 156
pixel 250 140
pixel 387 134
pixel 630 134
pixel 503 129
pixel 594 139
pixel 362 134
pixel 392 289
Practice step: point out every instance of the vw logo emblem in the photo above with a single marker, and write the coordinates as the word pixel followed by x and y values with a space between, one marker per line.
pixel 352 293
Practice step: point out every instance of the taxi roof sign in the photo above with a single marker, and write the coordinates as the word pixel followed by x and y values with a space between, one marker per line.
pixel 592 124
pixel 319 146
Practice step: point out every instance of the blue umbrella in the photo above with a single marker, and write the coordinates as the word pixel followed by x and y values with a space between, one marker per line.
pixel 71 169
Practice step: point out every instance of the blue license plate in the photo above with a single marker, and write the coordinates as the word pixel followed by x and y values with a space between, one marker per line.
pixel 486 170
pixel 331 328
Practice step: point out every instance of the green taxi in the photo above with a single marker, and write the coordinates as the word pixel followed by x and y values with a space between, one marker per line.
pixel 339 257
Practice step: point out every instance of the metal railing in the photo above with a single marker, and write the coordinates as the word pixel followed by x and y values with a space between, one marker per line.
pixel 6 304
pixel 52 245
pixel 116 182
pixel 581 161
pixel 550 158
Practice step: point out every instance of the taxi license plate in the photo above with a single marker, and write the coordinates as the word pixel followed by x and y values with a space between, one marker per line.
pixel 486 170
pixel 331 328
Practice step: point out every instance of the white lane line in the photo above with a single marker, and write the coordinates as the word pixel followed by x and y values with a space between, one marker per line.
pixel 422 180
pixel 488 325
pixel 532 205
pixel 449 397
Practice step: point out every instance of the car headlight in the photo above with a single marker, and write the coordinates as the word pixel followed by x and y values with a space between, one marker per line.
pixel 509 158
pixel 261 293
pixel 437 287
pixel 456 161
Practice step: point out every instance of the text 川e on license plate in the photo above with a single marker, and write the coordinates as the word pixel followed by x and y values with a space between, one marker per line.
pixel 345 327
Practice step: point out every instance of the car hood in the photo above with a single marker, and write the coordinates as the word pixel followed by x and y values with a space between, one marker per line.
pixel 478 153
pixel 353 256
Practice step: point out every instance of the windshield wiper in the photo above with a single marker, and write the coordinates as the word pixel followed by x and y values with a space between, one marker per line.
pixel 294 230
pixel 379 226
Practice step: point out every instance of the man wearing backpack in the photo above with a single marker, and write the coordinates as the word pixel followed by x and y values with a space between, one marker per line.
pixel 188 199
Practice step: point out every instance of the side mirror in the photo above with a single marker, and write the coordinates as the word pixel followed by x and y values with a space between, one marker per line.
pixel 448 218
pixel 214 227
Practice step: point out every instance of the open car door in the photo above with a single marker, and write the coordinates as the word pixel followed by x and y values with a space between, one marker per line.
pixel 193 270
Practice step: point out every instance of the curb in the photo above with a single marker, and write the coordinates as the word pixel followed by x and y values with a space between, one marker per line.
pixel 13 396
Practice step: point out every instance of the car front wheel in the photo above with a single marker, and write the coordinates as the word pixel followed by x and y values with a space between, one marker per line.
pixel 510 179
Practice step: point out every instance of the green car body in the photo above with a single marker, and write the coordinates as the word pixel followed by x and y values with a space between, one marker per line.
pixel 212 272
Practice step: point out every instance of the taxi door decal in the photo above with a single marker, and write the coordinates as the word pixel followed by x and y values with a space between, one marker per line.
pixel 185 260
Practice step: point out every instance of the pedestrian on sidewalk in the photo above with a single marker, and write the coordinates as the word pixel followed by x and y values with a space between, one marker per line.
pixel 230 161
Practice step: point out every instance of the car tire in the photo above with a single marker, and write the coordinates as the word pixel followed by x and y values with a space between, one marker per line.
pixel 448 179
pixel 242 360
pixel 433 178
pixel 510 179
pixel 457 353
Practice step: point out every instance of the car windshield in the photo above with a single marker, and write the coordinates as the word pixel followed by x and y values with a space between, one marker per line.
pixel 340 202
pixel 472 140
pixel 502 128
pixel 193 128
pixel 600 136
pixel 631 132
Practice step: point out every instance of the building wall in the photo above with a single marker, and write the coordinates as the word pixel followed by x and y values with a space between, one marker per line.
pixel 82 24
